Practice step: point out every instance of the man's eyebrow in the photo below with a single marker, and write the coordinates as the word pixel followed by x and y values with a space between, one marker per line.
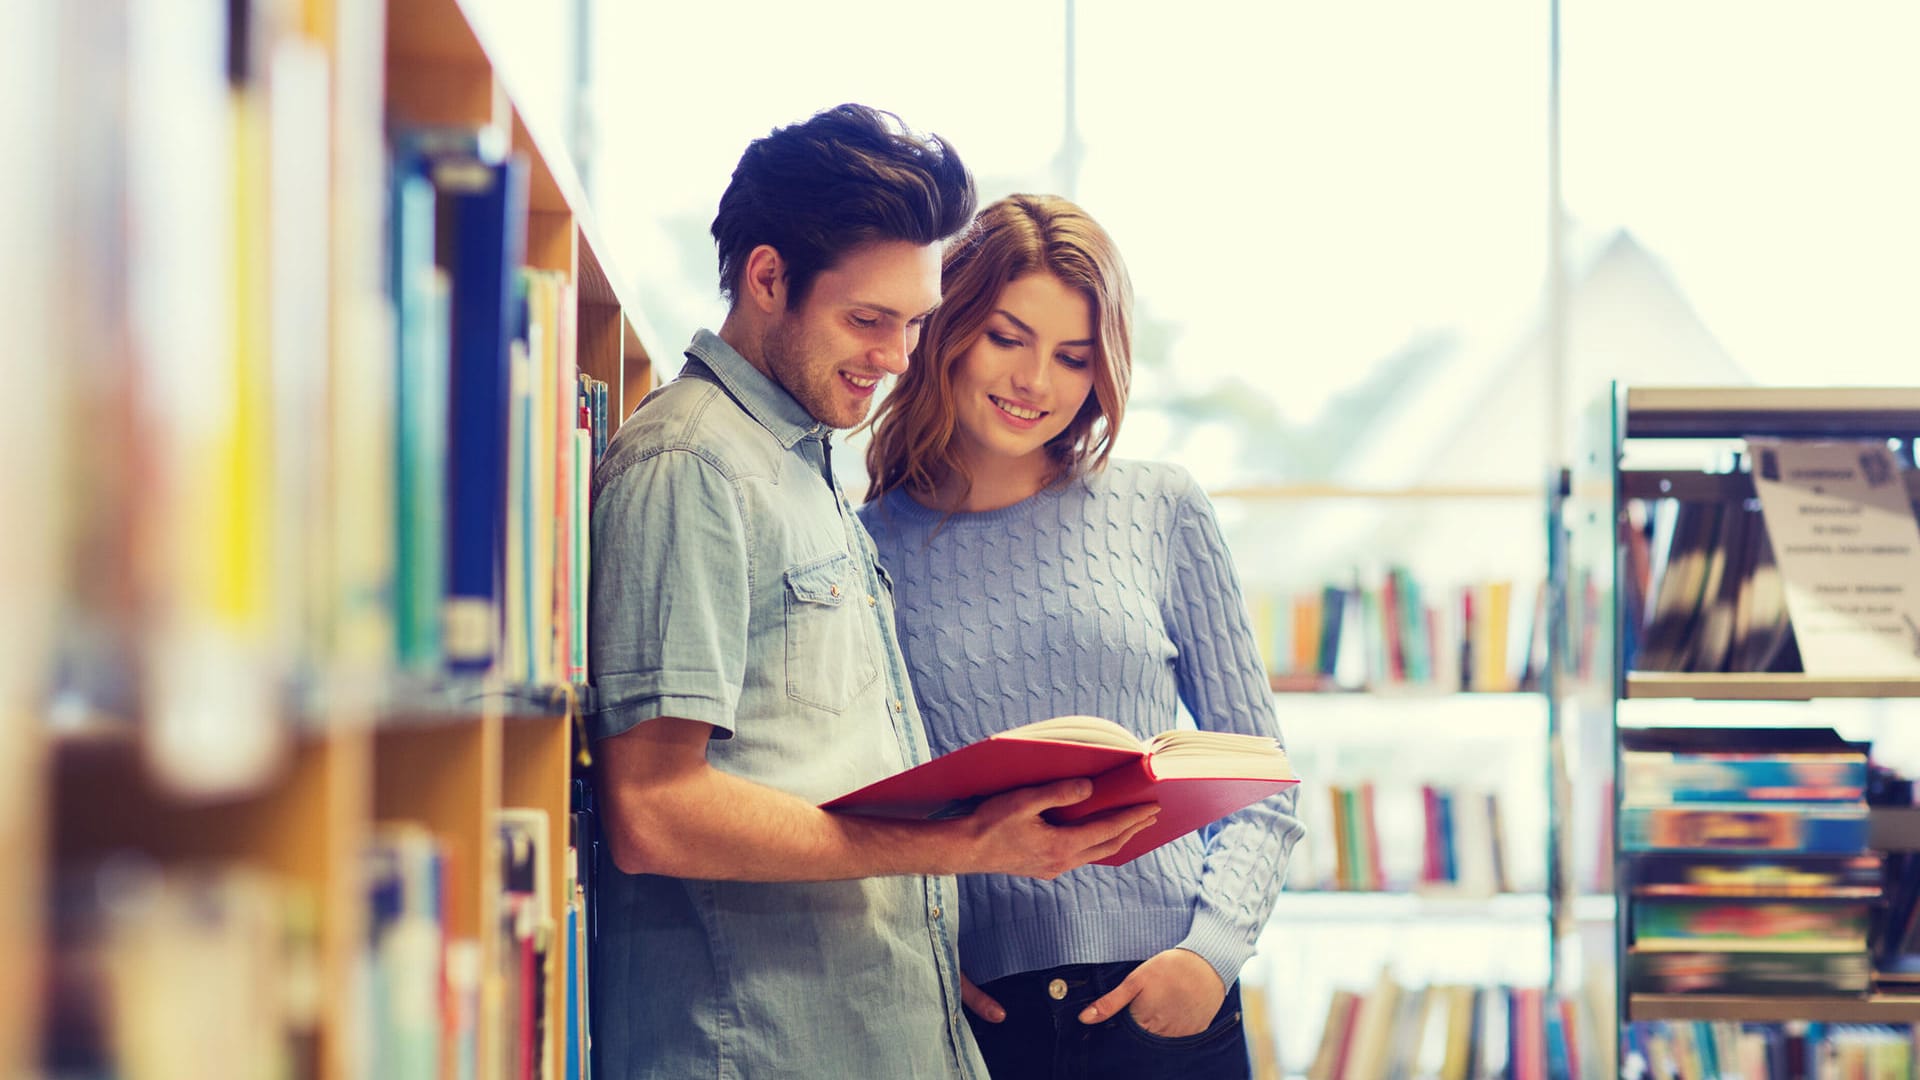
pixel 893 314
pixel 1029 331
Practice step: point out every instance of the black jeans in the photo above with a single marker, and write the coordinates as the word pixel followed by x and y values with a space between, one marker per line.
pixel 1042 1037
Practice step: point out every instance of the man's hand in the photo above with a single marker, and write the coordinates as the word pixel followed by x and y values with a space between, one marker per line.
pixel 979 1002
pixel 1007 834
pixel 1173 995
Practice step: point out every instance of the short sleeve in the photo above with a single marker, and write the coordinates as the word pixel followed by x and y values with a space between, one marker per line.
pixel 669 592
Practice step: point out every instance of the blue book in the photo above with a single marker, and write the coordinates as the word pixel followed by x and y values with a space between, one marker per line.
pixel 600 430
pixel 486 211
pixel 1661 776
pixel 573 991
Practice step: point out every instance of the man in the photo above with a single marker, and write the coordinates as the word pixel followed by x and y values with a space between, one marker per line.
pixel 744 658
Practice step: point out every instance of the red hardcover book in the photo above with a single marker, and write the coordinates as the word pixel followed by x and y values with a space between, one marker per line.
pixel 1197 777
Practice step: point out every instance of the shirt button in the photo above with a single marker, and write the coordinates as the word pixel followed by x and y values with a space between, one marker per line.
pixel 871 601
pixel 1057 989
pixel 896 706
pixel 834 591
pixel 934 912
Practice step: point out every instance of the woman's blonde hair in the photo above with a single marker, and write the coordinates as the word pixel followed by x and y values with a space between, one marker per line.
pixel 913 429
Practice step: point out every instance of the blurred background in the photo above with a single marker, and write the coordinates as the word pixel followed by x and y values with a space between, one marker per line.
pixel 1386 254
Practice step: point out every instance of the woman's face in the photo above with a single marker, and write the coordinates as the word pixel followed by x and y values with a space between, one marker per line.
pixel 1025 378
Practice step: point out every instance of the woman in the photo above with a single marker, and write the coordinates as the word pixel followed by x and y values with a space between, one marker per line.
pixel 1034 578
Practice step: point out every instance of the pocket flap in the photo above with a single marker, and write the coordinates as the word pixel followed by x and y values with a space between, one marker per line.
pixel 823 581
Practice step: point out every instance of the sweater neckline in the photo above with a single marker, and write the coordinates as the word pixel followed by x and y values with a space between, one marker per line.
pixel 904 505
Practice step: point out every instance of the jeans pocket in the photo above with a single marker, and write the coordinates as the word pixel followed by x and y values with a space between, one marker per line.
pixel 1225 1022
pixel 829 640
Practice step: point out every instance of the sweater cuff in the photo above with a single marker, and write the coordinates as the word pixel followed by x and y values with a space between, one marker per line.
pixel 1219 942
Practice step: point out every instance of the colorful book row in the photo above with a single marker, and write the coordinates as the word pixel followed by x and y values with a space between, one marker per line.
pixel 1485 636
pixel 1452 1032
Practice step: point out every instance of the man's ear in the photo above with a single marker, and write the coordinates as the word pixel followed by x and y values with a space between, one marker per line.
pixel 763 281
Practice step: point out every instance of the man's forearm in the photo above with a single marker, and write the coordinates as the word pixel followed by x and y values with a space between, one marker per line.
pixel 709 825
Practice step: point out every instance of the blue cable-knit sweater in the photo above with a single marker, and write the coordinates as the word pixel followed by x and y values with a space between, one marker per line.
pixel 1111 595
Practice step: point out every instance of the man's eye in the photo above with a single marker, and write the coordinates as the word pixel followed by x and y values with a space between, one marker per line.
pixel 865 322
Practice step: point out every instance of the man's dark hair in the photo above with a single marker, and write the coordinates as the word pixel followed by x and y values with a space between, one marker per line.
pixel 848 176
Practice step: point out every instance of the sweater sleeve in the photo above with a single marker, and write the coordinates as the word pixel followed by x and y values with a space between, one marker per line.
pixel 1224 685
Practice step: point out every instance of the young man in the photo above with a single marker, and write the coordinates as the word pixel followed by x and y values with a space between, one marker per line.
pixel 746 667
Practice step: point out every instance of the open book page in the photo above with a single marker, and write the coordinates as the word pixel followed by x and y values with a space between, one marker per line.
pixel 1175 753
pixel 1185 752
pixel 1092 730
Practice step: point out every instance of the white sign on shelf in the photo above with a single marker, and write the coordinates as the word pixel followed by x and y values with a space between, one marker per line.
pixel 1849 552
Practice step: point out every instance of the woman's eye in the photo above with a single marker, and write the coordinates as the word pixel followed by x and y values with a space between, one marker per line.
pixel 1077 363
pixel 1002 340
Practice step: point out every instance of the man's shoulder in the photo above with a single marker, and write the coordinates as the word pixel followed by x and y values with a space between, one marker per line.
pixel 697 417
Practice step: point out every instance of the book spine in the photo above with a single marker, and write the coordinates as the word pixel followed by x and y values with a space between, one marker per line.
pixel 489 220
pixel 1745 827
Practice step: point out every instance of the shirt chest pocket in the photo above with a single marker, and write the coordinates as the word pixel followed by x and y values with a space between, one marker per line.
pixel 830 652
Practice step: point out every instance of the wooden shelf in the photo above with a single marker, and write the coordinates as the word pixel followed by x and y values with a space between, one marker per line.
pixel 1695 486
pixel 1337 905
pixel 441 69
pixel 1307 492
pixel 1797 412
pixel 1310 684
pixel 1875 1009
pixel 1785 686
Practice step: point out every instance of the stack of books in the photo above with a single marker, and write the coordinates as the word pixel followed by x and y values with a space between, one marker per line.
pixel 1749 869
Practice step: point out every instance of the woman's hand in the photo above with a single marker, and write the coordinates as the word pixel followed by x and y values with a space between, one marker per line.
pixel 979 1002
pixel 1173 994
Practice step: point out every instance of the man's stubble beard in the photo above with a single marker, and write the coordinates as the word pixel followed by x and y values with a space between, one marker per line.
pixel 786 350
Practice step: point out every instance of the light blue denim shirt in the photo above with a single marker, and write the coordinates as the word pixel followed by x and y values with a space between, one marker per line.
pixel 733 585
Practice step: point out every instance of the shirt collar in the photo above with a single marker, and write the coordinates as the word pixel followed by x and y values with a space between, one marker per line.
pixel 763 399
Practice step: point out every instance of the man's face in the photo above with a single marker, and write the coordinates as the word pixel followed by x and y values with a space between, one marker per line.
pixel 857 326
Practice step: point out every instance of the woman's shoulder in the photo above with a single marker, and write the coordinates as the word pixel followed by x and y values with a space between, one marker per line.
pixel 1133 477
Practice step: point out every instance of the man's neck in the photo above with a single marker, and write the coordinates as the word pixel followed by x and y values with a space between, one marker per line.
pixel 744 335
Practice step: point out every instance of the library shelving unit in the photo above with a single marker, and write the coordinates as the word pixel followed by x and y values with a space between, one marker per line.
pixel 1333 722
pixel 1681 443
pixel 361 749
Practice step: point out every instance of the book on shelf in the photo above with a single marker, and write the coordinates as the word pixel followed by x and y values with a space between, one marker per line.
pixel 1747 860
pixel 1434 840
pixel 1451 1031
pixel 486 206
pixel 1758 877
pixel 423 309
pixel 1707 596
pixel 1756 971
pixel 495 423
pixel 1740 925
pixel 528 936
pixel 406 869
pixel 1477 636
pixel 1782 790
pixel 1672 1049
pixel 1197 777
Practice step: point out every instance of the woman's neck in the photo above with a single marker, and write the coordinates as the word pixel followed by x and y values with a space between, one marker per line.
pixel 994 486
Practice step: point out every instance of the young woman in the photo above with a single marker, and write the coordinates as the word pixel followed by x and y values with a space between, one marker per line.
pixel 1035 578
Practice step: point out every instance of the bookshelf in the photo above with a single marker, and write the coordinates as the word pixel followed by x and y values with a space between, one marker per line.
pixel 1402 732
pixel 358 747
pixel 1633 440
